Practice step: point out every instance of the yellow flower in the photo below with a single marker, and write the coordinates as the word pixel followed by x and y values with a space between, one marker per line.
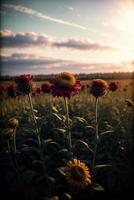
pixel 13 122
pixel 66 79
pixel 77 174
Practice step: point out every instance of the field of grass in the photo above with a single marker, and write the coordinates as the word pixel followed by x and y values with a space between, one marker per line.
pixel 37 171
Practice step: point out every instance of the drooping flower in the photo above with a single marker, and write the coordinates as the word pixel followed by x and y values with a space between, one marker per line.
pixel 11 91
pixel 77 174
pixel 24 83
pixel 113 86
pixel 99 88
pixel 65 85
pixel 46 87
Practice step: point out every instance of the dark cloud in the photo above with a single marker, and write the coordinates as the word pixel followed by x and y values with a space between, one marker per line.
pixel 82 45
pixel 31 39
pixel 21 40
pixel 29 63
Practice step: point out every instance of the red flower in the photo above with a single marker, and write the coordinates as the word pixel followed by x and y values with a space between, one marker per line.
pixel 24 83
pixel 46 87
pixel 98 88
pixel 11 91
pixel 83 87
pixel 24 78
pixel 65 85
pixel 38 90
pixel 113 86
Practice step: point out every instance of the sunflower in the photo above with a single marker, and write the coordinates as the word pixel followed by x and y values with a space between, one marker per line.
pixel 66 79
pixel 24 83
pixel 65 85
pixel 99 88
pixel 77 174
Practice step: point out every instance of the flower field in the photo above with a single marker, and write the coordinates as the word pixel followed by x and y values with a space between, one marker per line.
pixel 66 139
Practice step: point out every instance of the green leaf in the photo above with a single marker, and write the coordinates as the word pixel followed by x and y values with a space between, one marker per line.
pixel 35 110
pixel 60 130
pixel 57 116
pixel 28 175
pixel 102 166
pixel 81 119
pixel 54 109
pixel 61 170
pixel 90 127
pixel 97 187
pixel 81 143
pixel 106 132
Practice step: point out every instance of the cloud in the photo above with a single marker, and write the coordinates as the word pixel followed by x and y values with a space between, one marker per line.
pixel 32 39
pixel 82 45
pixel 20 40
pixel 35 13
pixel 29 63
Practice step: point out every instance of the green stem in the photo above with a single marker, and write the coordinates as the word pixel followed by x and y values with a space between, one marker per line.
pixel 14 139
pixel 96 132
pixel 34 119
pixel 37 134
pixel 67 123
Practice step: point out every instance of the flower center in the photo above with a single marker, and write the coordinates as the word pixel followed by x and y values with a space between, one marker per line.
pixel 78 173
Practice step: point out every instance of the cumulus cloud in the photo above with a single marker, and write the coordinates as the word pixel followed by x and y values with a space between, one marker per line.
pixel 12 40
pixel 82 45
pixel 28 39
pixel 29 63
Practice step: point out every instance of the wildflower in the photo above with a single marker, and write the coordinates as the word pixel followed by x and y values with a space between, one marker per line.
pixel 11 91
pixel 77 174
pixel 65 85
pixel 24 83
pixel 129 102
pixel 83 87
pixel 113 86
pixel 38 90
pixel 13 122
pixel 98 88
pixel 46 87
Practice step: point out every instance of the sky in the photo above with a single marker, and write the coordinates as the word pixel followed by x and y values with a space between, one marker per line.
pixel 79 36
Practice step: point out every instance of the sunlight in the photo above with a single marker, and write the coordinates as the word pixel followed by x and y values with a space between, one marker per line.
pixel 126 23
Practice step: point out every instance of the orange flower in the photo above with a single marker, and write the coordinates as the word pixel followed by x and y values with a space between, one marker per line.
pixel 77 174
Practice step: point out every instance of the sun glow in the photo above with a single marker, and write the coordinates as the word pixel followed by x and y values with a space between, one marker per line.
pixel 126 22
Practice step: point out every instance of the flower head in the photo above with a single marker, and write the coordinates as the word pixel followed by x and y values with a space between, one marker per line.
pixel 46 87
pixel 11 91
pixel 38 90
pixel 65 85
pixel 13 122
pixel 113 86
pixel 98 88
pixel 24 83
pixel 77 174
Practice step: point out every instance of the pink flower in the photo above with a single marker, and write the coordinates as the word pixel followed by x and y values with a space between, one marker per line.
pixel 65 85
pixel 46 87
pixel 113 86
pixel 11 91
pixel 24 83
pixel 98 88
